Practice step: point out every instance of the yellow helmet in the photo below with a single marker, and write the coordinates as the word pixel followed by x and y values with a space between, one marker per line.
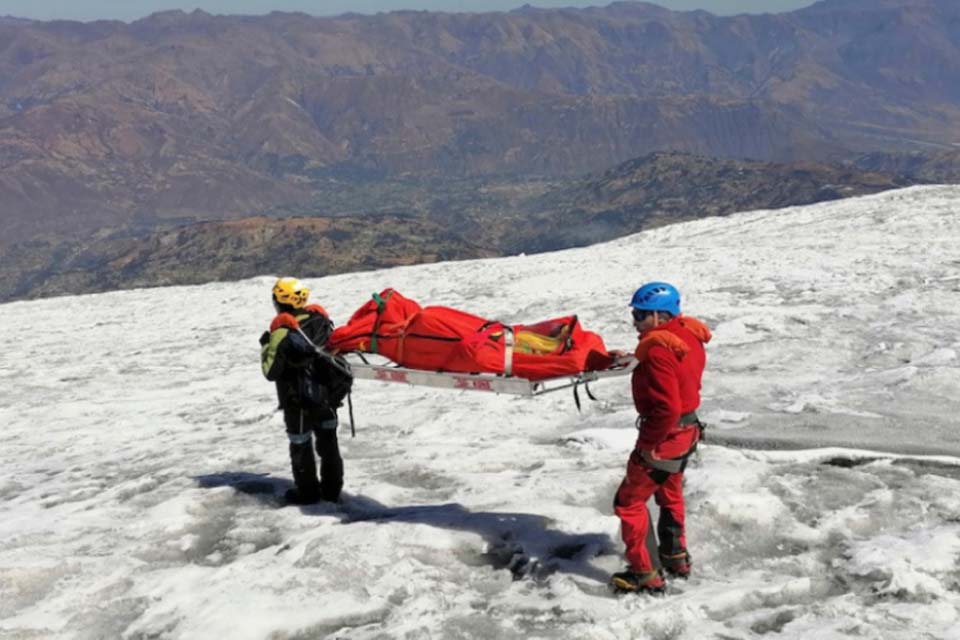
pixel 291 292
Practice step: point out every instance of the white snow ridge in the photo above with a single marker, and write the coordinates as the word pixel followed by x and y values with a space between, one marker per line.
pixel 142 457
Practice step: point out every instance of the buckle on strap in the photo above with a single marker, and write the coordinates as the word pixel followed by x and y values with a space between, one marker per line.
pixel 686 420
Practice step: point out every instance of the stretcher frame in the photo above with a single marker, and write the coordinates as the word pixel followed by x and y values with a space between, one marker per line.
pixel 488 382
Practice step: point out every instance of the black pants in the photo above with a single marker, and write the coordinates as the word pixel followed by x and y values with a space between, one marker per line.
pixel 305 432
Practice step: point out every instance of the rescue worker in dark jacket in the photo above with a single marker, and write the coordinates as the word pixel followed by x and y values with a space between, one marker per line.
pixel 309 390
pixel 666 393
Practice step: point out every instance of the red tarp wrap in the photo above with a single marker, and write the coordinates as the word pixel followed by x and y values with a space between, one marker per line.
pixel 444 339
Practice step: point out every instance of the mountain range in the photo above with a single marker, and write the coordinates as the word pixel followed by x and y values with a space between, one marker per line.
pixel 188 116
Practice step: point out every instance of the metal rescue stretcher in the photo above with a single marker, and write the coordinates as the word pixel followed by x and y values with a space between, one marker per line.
pixel 447 348
pixel 494 383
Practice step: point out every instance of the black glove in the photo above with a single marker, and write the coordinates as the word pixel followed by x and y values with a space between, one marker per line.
pixel 264 338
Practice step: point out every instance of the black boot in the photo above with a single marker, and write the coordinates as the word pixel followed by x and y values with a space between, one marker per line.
pixel 677 565
pixel 331 465
pixel 296 496
pixel 304 469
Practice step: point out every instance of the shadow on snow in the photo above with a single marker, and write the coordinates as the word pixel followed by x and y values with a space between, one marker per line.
pixel 524 543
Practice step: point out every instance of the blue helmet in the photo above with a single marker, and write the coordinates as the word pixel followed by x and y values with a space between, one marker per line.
pixel 657 296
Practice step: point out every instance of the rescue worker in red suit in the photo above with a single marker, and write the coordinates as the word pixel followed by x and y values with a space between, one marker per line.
pixel 666 393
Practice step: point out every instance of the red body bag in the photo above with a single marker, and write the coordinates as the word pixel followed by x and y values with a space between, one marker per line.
pixel 445 339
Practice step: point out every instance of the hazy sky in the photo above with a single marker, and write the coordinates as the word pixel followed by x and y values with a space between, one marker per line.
pixel 133 9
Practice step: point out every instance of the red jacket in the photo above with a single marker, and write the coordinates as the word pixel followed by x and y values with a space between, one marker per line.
pixel 666 384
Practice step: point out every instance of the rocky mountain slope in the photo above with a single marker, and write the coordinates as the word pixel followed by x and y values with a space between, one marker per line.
pixel 488 219
pixel 941 167
pixel 663 188
pixel 187 117
pixel 211 251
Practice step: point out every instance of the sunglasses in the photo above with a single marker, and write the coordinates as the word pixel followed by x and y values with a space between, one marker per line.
pixel 640 315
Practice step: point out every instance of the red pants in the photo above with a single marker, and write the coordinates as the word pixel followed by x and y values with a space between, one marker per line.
pixel 630 505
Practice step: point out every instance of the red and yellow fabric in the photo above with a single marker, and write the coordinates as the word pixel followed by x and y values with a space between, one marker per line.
pixel 438 338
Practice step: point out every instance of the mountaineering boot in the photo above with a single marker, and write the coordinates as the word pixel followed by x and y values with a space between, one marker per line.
pixel 330 495
pixel 677 564
pixel 295 496
pixel 633 582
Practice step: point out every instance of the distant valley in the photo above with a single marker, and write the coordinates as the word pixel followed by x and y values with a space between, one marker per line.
pixel 186 146
pixel 402 223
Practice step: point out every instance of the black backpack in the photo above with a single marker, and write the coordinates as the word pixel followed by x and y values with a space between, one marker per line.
pixel 317 327
pixel 334 375
pixel 327 380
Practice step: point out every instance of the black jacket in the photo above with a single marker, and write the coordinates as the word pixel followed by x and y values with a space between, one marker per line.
pixel 304 379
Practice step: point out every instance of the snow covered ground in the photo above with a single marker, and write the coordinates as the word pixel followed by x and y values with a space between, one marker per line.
pixel 142 458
